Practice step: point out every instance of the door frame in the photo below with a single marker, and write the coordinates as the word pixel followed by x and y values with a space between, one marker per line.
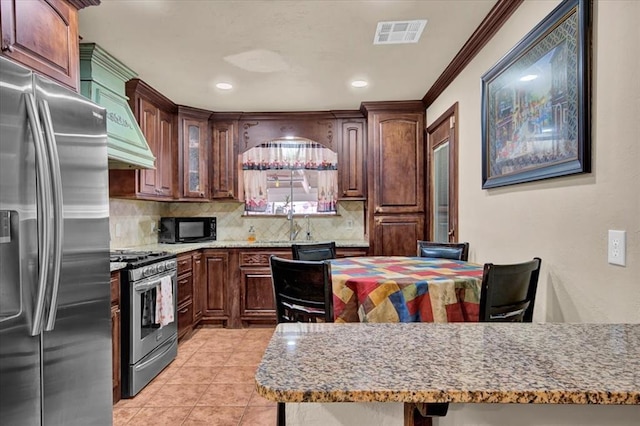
pixel 445 129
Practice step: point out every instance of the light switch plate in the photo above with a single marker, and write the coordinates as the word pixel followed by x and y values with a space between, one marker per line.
pixel 617 251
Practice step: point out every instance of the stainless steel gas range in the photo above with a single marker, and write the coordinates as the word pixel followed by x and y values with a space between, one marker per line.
pixel 149 320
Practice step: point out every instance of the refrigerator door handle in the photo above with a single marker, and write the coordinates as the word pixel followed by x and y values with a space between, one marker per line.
pixel 58 220
pixel 43 189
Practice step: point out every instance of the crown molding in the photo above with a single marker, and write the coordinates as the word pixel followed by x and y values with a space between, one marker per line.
pixel 494 20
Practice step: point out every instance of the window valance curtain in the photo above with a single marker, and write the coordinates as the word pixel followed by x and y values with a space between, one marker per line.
pixel 284 154
pixel 289 155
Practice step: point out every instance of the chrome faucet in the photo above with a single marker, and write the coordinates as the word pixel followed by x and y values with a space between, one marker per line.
pixel 308 227
pixel 294 228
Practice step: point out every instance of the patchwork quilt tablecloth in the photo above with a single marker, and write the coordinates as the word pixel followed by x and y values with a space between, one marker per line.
pixel 405 289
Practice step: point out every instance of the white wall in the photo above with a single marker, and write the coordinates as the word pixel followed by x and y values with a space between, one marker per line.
pixel 563 220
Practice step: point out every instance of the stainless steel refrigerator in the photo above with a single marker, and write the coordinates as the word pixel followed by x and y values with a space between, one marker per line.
pixel 55 327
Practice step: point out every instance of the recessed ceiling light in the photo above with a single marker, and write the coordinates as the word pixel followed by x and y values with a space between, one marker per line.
pixel 359 83
pixel 224 86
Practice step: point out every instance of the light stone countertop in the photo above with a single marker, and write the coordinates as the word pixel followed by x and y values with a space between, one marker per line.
pixel 116 266
pixel 183 248
pixel 553 363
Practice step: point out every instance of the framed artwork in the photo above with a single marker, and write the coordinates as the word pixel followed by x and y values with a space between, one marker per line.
pixel 536 102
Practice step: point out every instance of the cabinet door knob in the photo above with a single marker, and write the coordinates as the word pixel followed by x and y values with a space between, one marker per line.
pixel 378 209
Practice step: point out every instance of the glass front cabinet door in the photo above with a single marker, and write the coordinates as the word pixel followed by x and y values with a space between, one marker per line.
pixel 194 135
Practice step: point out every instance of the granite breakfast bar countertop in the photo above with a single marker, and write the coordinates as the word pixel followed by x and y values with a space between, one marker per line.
pixel 553 363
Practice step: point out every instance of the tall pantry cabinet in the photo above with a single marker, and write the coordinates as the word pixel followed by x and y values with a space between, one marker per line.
pixel 395 168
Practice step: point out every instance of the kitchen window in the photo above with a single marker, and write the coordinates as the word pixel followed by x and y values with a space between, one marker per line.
pixel 290 175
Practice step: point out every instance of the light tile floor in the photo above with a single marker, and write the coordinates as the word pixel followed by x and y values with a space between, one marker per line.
pixel 211 382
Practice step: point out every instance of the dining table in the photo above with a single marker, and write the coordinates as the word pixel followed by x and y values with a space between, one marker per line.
pixel 405 289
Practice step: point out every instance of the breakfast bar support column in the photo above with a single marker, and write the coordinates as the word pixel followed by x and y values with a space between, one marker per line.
pixel 420 413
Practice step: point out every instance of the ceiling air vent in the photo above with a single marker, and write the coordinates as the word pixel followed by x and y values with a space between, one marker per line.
pixel 398 32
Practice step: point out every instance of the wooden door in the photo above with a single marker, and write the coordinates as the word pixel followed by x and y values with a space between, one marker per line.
pixel 256 295
pixel 198 288
pixel 42 35
pixel 351 159
pixel 149 116
pixel 398 163
pixel 397 235
pixel 194 159
pixel 442 178
pixel 164 160
pixel 223 161
pixel 216 269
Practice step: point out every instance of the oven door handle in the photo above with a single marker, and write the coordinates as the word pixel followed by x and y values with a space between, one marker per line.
pixel 169 345
pixel 141 288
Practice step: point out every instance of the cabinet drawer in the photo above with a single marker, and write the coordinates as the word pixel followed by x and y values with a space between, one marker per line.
pixel 184 264
pixel 185 288
pixel 185 318
pixel 261 258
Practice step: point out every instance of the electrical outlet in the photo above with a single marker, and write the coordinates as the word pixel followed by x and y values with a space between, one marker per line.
pixel 617 247
pixel 349 224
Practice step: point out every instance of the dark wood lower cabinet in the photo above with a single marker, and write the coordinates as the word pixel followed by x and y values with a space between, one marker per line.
pixel 199 288
pixel 232 287
pixel 397 235
pixel 215 297
pixel 115 334
pixel 185 295
pixel 257 304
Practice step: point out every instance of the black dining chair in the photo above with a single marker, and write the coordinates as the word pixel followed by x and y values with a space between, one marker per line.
pixel 316 251
pixel 303 293
pixel 456 251
pixel 509 291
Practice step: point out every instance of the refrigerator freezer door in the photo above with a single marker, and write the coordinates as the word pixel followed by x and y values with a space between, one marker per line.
pixel 77 351
pixel 20 384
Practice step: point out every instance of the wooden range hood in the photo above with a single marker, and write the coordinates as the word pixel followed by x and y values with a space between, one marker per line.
pixel 102 79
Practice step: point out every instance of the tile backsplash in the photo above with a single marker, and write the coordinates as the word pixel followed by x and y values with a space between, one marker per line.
pixel 134 222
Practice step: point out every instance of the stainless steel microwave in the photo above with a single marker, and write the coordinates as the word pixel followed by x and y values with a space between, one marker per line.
pixel 187 229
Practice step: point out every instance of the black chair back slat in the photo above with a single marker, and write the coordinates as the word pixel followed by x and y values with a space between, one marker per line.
pixel 509 291
pixel 456 251
pixel 316 251
pixel 302 290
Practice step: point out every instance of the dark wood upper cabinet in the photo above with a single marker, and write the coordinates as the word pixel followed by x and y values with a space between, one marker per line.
pixel 351 159
pixel 43 36
pixel 396 161
pixel 259 128
pixel 223 164
pixel 193 131
pixel 157 117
